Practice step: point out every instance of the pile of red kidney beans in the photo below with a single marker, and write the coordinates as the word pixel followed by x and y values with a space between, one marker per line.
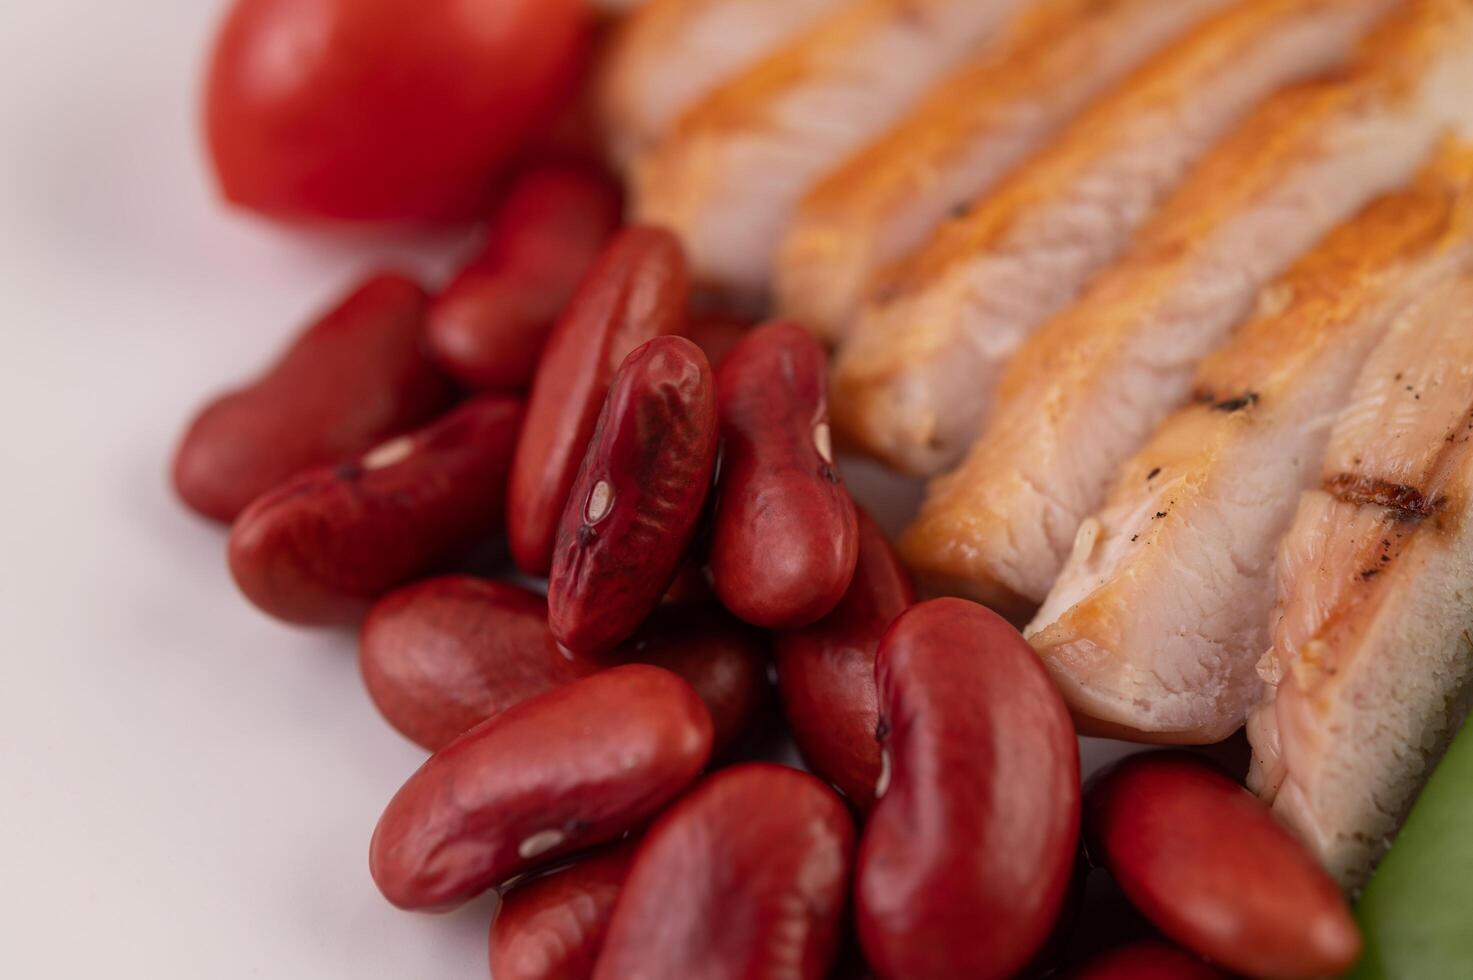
pixel 672 477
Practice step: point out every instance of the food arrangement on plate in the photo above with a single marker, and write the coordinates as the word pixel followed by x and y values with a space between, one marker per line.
pixel 1171 303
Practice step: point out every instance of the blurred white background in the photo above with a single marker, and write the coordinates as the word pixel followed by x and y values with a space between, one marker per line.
pixel 186 788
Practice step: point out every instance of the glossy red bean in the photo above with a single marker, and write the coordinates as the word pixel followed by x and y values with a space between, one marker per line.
pixel 1146 960
pixel 1209 865
pixel 744 877
pixel 784 541
pixel 552 927
pixel 636 291
pixel 633 510
pixel 826 672
pixel 968 855
pixel 356 376
pixel 716 335
pixel 724 659
pixel 574 767
pixel 440 657
pixel 321 547
pixel 489 326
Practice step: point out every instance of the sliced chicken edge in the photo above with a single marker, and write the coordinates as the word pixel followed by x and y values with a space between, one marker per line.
pixel 728 175
pixel 968 132
pixel 918 371
pixel 1190 531
pixel 669 53
pixel 1373 779
pixel 1358 712
pixel 1088 389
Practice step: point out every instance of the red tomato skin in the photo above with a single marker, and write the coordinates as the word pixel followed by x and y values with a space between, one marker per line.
pixel 383 111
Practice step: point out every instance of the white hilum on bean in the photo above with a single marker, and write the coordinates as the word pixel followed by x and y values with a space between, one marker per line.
pixel 823 441
pixel 540 843
pixel 600 502
pixel 391 452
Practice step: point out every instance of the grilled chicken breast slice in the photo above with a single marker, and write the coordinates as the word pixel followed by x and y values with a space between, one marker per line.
pixel 1157 622
pixel 670 53
pixel 918 370
pixel 1089 387
pixel 966 135
pixel 1371 666
pixel 727 178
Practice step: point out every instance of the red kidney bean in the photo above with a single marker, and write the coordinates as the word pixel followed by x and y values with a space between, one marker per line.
pixel 744 877
pixel 784 542
pixel 968 855
pixel 489 325
pixel 724 659
pixel 1209 865
pixel 636 291
pixel 826 672
pixel 356 376
pixel 320 548
pixel 716 335
pixel 633 510
pixel 440 657
pixel 552 927
pixel 574 767
pixel 1145 960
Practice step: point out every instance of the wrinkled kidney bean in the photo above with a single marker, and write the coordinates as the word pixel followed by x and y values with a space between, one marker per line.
pixel 716 335
pixel 322 546
pixel 633 510
pixel 552 927
pixel 489 325
pixel 356 376
pixel 1209 865
pixel 826 671
pixel 784 542
pixel 724 659
pixel 440 657
pixel 576 766
pixel 745 876
pixel 1145 960
pixel 636 291
pixel 968 855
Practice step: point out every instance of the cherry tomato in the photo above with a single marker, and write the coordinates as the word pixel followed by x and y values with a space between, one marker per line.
pixel 383 110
